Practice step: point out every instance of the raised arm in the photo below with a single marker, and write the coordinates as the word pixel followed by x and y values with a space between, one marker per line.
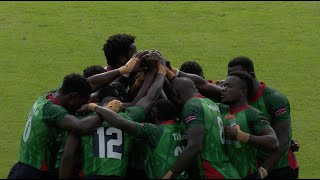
pixel 207 89
pixel 99 80
pixel 156 87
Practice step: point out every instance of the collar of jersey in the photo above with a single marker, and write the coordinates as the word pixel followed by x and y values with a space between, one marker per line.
pixel 54 100
pixel 259 93
pixel 168 122
pixel 199 96
pixel 238 109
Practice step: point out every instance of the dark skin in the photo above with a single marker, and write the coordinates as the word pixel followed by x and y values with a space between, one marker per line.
pixel 185 90
pixel 153 93
pixel 281 128
pixel 72 144
pixel 72 102
pixel 99 80
pixel 235 95
pixel 207 89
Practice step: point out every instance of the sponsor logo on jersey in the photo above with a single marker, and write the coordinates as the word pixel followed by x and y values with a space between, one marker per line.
pixel 213 108
pixel 179 137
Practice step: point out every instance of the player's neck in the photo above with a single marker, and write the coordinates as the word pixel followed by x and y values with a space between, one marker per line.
pixel 256 86
pixel 238 104
pixel 59 97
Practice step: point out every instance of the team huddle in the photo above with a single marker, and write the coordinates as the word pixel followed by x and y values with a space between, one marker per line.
pixel 141 117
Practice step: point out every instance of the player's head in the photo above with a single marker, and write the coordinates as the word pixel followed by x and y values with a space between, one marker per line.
pixel 93 70
pixel 114 89
pixel 241 63
pixel 192 67
pixel 163 110
pixel 76 90
pixel 184 89
pixel 118 49
pixel 237 87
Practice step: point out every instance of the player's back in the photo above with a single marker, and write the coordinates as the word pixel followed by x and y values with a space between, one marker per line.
pixel 105 151
pixel 165 142
pixel 213 151
pixel 41 138
pixel 276 107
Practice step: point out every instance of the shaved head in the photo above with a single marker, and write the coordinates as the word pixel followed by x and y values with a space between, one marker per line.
pixel 184 89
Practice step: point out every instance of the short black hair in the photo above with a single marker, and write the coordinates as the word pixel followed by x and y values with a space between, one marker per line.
pixel 192 67
pixel 114 89
pixel 117 45
pixel 167 109
pixel 247 79
pixel 75 83
pixel 93 70
pixel 245 63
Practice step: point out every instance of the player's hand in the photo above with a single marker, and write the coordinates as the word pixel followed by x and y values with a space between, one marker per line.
pixel 83 109
pixel 114 105
pixel 140 65
pixel 220 83
pixel 128 67
pixel 231 132
pixel 294 145
pixel 151 60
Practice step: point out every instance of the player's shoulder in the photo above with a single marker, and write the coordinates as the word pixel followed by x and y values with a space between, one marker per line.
pixel 252 112
pixel 272 96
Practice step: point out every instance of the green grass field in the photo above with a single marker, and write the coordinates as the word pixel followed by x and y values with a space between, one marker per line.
pixel 41 42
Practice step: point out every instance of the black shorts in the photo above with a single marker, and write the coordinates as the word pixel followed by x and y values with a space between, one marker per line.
pixel 23 171
pixel 103 177
pixel 139 173
pixel 284 173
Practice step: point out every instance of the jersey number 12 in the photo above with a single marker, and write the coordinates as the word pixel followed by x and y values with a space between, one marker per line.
pixel 108 142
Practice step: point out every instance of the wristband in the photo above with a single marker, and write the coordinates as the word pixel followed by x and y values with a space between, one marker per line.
pixel 263 172
pixel 162 69
pixel 169 74
pixel 174 70
pixel 242 136
pixel 92 106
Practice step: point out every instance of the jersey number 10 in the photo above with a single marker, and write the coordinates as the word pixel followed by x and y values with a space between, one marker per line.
pixel 108 143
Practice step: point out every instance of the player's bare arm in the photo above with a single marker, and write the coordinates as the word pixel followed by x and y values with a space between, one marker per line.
pixel 264 139
pixel 98 80
pixel 69 156
pixel 282 130
pixel 207 89
pixel 85 126
pixel 195 136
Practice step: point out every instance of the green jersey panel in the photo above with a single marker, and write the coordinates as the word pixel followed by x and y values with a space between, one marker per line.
pixel 203 112
pixel 243 158
pixel 41 138
pixel 165 144
pixel 276 107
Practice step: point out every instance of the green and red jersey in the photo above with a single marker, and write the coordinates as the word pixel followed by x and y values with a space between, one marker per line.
pixel 251 121
pixel 105 152
pixel 41 139
pixel 276 107
pixel 165 142
pixel 213 161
